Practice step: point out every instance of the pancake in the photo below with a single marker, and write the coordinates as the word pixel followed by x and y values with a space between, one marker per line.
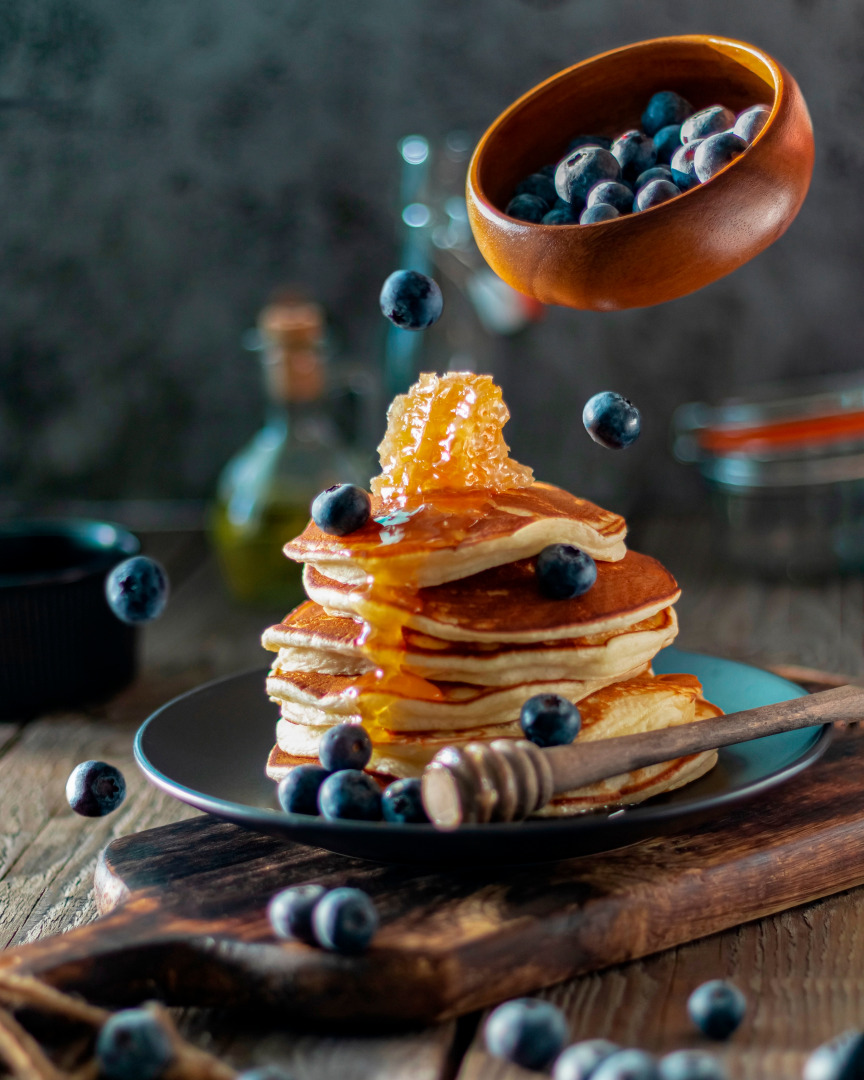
pixel 461 534
pixel 504 604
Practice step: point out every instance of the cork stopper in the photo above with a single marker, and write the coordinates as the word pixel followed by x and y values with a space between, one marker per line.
pixel 292 333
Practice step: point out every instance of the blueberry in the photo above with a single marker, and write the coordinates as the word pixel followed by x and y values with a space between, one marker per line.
pixel 559 217
pixel 715 152
pixel 550 720
pixel 683 169
pixel 133 1045
pixel 750 122
pixel 350 793
pixel 529 208
pixel 611 420
pixel 298 791
pixel 563 571
pixel 840 1059
pixel 598 212
pixel 706 122
pixel 655 193
pixel 613 193
pixel 658 172
pixel 411 300
pixel 691 1065
pixel 402 803
pixel 580 170
pixel 346 746
pixel 137 590
pixel 526 1031
pixel 716 1008
pixel 345 921
pixel 95 788
pixel 290 912
pixel 341 509
pixel 538 184
pixel 579 1061
pixel 602 141
pixel 666 142
pixel 664 109
pixel 627 1065
pixel 266 1072
pixel 635 152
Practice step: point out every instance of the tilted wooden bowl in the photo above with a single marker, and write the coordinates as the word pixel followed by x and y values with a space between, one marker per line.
pixel 675 248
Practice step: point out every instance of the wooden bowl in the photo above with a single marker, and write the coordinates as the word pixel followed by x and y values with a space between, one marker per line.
pixel 660 254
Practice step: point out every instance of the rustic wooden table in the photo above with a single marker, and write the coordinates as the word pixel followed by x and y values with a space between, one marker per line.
pixel 801 970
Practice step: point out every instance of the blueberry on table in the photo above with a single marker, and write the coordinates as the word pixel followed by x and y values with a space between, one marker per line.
pixel 133 1045
pixel 611 420
pixel 564 571
pixel 351 794
pixel 666 142
pixel 627 1065
pixel 598 212
pixel 664 109
pixel 635 152
pixel 657 172
pixel 842 1058
pixel 579 1061
pixel 550 720
pixel 526 1031
pixel 716 1008
pixel 95 788
pixel 411 300
pixel 529 208
pixel 715 152
pixel 655 193
pixel 540 184
pixel 580 170
pixel 402 803
pixel 137 590
pixel 346 746
pixel 298 791
pixel 559 216
pixel 345 921
pixel 683 167
pixel 341 509
pixel 750 122
pixel 290 912
pixel 706 122
pixel 691 1065
pixel 613 193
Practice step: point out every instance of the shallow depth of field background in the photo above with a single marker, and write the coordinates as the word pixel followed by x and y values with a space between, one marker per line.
pixel 164 165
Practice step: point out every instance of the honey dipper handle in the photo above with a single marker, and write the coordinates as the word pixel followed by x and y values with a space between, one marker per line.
pixel 586 762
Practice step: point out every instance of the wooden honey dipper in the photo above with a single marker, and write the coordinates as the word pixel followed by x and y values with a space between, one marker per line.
pixel 508 779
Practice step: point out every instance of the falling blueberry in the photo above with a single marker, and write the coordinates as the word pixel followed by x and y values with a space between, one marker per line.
pixel 526 1031
pixel 706 122
pixel 351 794
pixel 290 912
pixel 627 1065
pixel 345 921
pixel 716 1008
pixel 715 152
pixel 528 208
pixel 591 215
pixel 664 109
pixel 402 803
pixel 137 590
pixel 95 788
pixel 613 193
pixel 540 185
pixel 550 720
pixel 580 170
pixel 564 571
pixel 666 142
pixel 298 791
pixel 750 122
pixel 655 193
pixel 635 152
pixel 133 1045
pixel 611 420
pixel 341 509
pixel 411 300
pixel 579 1061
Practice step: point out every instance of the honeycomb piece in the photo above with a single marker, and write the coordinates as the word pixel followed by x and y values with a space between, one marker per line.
pixel 445 435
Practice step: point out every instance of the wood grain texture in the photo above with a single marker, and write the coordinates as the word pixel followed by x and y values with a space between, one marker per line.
pixel 657 255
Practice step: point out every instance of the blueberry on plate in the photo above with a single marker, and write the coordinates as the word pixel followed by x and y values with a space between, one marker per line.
pixel 611 420
pixel 341 509
pixel 526 1031
pixel 657 172
pixel 664 109
pixel 750 122
pixel 559 216
pixel 351 794
pixel 133 1045
pixel 550 720
pixel 137 590
pixel 345 921
pixel 411 300
pixel 842 1058
pixel 346 746
pixel 683 167
pixel 635 152
pixel 717 1008
pixel 613 193
pixel 706 122
pixel 715 152
pixel 529 208
pixel 655 193
pixel 564 571
pixel 95 788
pixel 290 912
pixel 539 184
pixel 691 1065
pixel 581 169
pixel 298 791
pixel 627 1065
pixel 266 1072
pixel 598 212
pixel 579 1061
pixel 666 142
pixel 402 803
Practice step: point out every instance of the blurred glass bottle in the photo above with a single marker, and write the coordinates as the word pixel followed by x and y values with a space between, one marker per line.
pixel 264 491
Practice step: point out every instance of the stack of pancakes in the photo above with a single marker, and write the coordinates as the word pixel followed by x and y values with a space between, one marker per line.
pixel 428 626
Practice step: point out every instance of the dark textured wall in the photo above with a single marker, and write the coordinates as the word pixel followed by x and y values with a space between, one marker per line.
pixel 163 164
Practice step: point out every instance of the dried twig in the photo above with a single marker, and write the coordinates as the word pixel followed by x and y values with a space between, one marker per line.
pixel 18 990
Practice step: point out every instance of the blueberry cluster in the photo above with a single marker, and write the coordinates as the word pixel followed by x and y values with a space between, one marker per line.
pixel 600 178
pixel 339 789
pixel 342 920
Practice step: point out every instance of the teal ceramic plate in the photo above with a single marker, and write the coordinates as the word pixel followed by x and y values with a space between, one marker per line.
pixel 208 748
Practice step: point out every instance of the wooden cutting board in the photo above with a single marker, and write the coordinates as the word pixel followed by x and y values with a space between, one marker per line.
pixel 184 909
